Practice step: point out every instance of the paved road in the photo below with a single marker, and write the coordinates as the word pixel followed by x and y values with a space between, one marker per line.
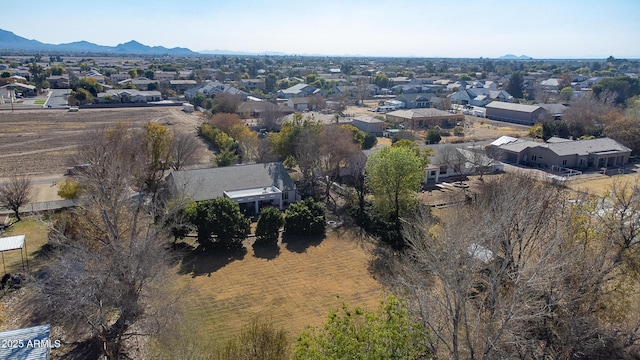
pixel 57 99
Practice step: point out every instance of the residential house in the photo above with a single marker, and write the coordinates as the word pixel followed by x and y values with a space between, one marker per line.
pixel 418 100
pixel 256 109
pixel 212 88
pixel 479 96
pixel 59 81
pixel 164 75
pixel 121 76
pixel 143 83
pixel 551 85
pixel 128 96
pixel 452 161
pixel 422 118
pixel 562 153
pixel 298 90
pixel 300 103
pixel 251 186
pixel 252 84
pixel 180 86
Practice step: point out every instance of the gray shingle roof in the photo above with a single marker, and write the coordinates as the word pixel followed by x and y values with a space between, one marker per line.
pixel 26 344
pixel 207 184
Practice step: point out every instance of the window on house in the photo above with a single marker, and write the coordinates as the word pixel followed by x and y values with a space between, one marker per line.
pixel 534 158
pixel 285 195
pixel 564 162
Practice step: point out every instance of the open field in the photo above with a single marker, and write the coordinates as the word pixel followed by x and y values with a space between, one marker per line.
pixel 295 286
pixel 39 142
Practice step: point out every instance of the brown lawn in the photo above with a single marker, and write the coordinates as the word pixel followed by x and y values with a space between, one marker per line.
pixel 295 286
pixel 599 184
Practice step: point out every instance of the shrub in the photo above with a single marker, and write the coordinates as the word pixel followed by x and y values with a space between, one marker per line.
pixel 433 136
pixel 305 218
pixel 268 228
pixel 370 140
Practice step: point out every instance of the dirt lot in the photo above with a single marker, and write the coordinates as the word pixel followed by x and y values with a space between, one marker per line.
pixel 39 142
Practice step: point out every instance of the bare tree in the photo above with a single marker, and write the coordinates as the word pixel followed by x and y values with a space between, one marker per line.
pixel 317 102
pixel 307 155
pixel 489 266
pixel 363 91
pixel 15 193
pixel 587 114
pixel 269 119
pixel 524 272
pixel 107 275
pixel 184 150
pixel 452 158
pixel 336 147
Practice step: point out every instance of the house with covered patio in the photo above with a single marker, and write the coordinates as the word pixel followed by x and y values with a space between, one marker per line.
pixel 252 186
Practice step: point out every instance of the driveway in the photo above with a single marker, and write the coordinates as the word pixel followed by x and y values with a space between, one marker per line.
pixel 57 98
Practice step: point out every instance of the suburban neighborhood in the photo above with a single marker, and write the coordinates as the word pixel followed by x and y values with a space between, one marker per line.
pixel 160 203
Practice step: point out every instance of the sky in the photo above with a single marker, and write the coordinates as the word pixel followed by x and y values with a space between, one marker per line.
pixel 397 28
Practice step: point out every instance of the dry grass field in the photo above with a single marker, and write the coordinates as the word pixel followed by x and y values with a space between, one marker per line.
pixel 293 287
pixel 39 142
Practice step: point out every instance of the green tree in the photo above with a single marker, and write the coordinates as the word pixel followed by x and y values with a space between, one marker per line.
pixel 623 87
pixel 268 228
pixel 226 157
pixel 515 86
pixel 370 140
pixel 566 93
pixel 381 80
pixel 220 217
pixel 433 136
pixel 423 154
pixel 90 84
pixel 57 70
pixel 388 333
pixel 394 174
pixel 305 218
pixel 270 83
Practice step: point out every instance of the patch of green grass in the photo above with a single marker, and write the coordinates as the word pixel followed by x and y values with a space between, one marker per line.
pixel 39 102
pixel 35 232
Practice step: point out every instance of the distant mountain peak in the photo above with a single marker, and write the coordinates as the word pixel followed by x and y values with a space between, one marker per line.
pixel 514 57
pixel 11 41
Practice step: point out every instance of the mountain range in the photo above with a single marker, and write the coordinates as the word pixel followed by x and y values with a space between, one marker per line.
pixel 513 57
pixel 11 41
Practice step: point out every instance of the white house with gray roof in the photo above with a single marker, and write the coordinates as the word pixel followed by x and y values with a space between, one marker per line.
pixel 251 186
pixel 576 154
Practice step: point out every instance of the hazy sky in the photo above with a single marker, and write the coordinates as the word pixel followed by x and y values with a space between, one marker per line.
pixel 440 28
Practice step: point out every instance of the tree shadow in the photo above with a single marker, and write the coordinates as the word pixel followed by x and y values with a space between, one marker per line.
pixel 300 244
pixel 204 261
pixel 86 349
pixel 266 251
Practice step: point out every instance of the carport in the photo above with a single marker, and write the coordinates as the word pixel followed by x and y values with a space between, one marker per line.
pixel 14 243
